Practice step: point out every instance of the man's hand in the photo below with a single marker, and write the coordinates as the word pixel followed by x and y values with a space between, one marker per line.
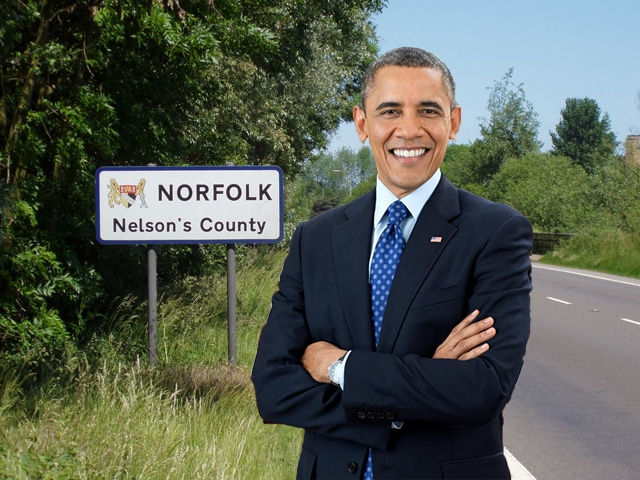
pixel 467 340
pixel 317 359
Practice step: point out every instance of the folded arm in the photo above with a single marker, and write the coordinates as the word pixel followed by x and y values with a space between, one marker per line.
pixel 413 387
pixel 468 340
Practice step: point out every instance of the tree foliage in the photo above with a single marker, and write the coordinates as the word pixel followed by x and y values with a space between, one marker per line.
pixel 557 195
pixel 615 190
pixel 511 131
pixel 331 180
pixel 89 83
pixel 341 172
pixel 460 167
pixel 584 134
pixel 549 190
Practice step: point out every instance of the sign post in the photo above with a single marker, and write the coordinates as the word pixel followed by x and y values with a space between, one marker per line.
pixel 231 304
pixel 152 288
pixel 189 205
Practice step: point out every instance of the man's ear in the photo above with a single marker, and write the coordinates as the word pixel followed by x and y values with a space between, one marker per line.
pixel 360 119
pixel 456 120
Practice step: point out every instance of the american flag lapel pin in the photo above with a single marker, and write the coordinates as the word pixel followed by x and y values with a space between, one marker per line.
pixel 436 239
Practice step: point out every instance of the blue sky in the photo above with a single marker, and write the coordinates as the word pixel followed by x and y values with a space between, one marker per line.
pixel 558 49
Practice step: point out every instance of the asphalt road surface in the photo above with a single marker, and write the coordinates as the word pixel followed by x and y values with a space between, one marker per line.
pixel 575 413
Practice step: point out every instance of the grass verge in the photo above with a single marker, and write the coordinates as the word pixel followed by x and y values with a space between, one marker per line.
pixel 192 417
pixel 611 252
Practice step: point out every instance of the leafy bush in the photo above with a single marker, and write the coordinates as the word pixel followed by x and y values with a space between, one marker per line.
pixel 550 191
pixel 614 190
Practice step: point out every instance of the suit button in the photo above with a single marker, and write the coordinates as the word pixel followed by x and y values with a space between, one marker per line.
pixel 362 415
pixel 371 415
pixel 380 415
pixel 391 416
pixel 352 467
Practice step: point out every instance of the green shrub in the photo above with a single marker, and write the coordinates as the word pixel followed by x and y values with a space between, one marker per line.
pixel 550 191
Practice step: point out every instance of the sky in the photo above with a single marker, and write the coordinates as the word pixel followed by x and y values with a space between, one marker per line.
pixel 558 49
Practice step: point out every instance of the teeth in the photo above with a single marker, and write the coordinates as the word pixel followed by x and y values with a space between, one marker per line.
pixel 410 153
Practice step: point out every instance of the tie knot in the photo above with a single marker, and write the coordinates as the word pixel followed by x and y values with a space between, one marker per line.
pixel 397 213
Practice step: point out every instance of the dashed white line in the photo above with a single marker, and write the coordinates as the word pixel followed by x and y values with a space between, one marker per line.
pixel 630 321
pixel 559 301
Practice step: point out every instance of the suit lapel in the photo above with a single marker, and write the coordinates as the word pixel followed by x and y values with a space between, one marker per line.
pixel 352 247
pixel 428 241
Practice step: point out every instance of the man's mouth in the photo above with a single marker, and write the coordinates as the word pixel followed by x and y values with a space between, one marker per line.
pixel 416 152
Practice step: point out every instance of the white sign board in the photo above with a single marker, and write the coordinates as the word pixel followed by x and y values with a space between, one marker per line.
pixel 154 205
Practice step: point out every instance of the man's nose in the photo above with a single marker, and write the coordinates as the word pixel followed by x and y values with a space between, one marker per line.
pixel 410 126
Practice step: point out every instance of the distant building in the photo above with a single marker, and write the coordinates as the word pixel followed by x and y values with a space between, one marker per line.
pixel 632 149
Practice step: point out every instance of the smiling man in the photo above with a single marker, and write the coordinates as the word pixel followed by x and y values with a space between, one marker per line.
pixel 364 348
pixel 411 118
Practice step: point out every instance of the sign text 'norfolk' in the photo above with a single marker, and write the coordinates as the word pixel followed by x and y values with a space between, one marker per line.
pixel 156 205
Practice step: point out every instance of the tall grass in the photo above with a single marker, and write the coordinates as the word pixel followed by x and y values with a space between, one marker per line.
pixel 192 417
pixel 605 251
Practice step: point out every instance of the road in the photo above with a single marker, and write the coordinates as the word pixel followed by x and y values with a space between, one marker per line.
pixel 575 413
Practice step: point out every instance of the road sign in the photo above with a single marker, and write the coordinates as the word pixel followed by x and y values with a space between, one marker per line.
pixel 156 205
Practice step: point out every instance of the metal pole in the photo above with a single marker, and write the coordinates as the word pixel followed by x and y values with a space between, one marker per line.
pixel 152 285
pixel 231 303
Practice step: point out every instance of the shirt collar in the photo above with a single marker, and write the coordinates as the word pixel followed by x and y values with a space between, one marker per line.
pixel 414 202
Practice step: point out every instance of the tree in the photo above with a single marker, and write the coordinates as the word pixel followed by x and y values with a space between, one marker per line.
pixel 584 134
pixel 357 167
pixel 87 83
pixel 510 132
pixel 288 86
pixel 341 172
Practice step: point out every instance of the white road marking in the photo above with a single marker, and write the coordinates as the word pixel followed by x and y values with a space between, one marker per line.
pixel 518 471
pixel 559 301
pixel 586 275
pixel 630 321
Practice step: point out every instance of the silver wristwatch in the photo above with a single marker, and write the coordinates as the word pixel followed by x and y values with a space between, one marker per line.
pixel 335 371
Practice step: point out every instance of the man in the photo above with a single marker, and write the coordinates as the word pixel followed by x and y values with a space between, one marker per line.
pixel 414 394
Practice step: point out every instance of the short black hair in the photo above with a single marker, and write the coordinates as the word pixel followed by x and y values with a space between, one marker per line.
pixel 409 57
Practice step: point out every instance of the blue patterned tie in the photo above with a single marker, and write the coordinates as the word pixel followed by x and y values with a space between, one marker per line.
pixel 385 261
pixel 383 268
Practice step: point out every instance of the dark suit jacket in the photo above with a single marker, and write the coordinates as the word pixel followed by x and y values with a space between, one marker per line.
pixel 464 253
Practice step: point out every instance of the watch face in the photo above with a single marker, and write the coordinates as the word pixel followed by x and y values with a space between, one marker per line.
pixel 332 372
pixel 333 369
